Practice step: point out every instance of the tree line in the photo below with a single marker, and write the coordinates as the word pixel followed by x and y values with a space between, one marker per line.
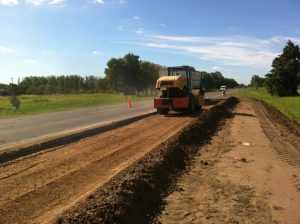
pixel 214 80
pixel 61 84
pixel 128 72
pixel 284 77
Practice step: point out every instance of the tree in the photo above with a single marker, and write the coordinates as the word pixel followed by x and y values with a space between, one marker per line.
pixel 150 73
pixel 284 77
pixel 214 80
pixel 130 72
pixel 132 76
pixel 114 73
pixel 257 81
pixel 230 83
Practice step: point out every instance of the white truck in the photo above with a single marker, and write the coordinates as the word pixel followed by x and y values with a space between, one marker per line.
pixel 223 89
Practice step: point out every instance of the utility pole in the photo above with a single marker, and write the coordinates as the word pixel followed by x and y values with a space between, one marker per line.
pixel 11 86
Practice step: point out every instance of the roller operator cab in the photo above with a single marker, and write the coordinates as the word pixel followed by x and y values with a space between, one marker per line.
pixel 180 89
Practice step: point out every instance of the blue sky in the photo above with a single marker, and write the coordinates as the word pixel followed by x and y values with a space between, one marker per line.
pixel 60 37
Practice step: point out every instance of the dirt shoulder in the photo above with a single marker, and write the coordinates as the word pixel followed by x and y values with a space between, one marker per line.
pixel 249 173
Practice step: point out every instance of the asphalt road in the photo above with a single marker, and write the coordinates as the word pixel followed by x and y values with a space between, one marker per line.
pixel 22 128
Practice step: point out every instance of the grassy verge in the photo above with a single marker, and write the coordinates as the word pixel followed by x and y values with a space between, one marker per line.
pixel 32 104
pixel 290 106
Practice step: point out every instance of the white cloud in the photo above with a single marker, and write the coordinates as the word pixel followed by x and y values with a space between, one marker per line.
pixel 96 52
pixel 9 2
pixel 140 30
pixel 163 24
pixel 136 17
pixel 236 50
pixel 55 2
pixel 99 1
pixel 234 41
pixel 30 61
pixel 215 68
pixel 227 55
pixel 4 50
pixel 35 2
pixel 121 1
pixel 184 38
pixel 278 39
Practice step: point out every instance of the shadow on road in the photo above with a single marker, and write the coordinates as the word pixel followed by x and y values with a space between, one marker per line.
pixel 183 114
pixel 213 101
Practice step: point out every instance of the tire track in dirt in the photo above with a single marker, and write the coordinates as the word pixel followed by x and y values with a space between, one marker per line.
pixel 37 188
pixel 233 182
pixel 285 137
pixel 287 147
pixel 202 197
pixel 185 204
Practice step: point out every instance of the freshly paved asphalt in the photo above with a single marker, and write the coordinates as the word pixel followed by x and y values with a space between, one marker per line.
pixel 17 129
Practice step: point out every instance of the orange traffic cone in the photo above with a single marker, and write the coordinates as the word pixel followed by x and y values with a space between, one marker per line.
pixel 129 102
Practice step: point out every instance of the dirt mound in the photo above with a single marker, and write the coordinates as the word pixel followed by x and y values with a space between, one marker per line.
pixel 136 194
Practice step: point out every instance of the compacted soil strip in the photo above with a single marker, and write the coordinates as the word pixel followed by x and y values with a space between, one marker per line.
pixel 18 150
pixel 37 188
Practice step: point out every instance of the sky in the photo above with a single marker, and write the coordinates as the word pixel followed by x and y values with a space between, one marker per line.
pixel 239 38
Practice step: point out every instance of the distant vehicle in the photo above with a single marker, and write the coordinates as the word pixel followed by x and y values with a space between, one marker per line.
pixel 180 89
pixel 223 90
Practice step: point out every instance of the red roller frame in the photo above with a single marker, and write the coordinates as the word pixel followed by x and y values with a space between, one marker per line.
pixel 182 102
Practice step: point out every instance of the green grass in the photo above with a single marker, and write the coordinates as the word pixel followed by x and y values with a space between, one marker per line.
pixel 290 106
pixel 33 104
